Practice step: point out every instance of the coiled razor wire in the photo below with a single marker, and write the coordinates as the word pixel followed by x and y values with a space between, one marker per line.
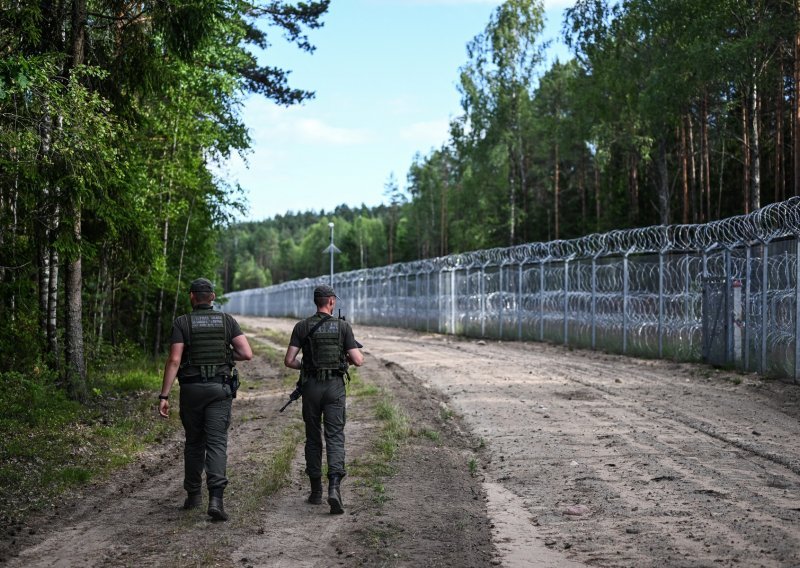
pixel 725 292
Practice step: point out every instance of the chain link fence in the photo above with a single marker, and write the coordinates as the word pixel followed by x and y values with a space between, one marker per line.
pixel 724 292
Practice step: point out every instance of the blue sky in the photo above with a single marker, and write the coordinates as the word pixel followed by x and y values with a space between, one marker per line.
pixel 385 74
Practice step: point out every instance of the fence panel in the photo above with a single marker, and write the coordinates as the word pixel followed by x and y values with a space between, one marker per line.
pixel 726 292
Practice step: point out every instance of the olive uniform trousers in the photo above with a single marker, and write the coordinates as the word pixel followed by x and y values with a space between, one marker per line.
pixel 206 415
pixel 324 397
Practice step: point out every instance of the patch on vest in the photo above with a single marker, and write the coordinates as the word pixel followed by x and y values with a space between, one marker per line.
pixel 200 321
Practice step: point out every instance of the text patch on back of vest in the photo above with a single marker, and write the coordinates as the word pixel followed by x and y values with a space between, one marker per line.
pixel 211 320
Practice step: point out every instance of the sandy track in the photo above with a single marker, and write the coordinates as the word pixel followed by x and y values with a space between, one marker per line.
pixel 624 462
pixel 579 458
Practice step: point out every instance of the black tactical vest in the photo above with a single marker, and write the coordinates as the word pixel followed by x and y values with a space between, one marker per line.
pixel 323 350
pixel 208 342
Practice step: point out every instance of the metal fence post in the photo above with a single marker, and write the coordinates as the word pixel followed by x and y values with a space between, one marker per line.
pixel 748 289
pixel 439 292
pixel 728 308
pixel 625 288
pixel 594 302
pixel 764 290
pixel 482 298
pixel 797 308
pixel 501 303
pixel 661 303
pixel 541 301
pixel 566 301
pixel 453 298
pixel 519 302
pixel 428 300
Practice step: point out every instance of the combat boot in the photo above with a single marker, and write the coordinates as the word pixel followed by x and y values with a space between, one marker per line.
pixel 315 498
pixel 335 495
pixel 216 510
pixel 193 501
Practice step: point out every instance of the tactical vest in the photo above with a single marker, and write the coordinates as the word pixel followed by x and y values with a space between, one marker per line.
pixel 323 350
pixel 208 342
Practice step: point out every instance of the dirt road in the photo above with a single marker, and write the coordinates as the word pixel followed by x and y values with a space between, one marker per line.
pixel 520 455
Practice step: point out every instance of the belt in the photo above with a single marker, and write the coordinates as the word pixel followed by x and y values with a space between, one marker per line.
pixel 323 374
pixel 193 380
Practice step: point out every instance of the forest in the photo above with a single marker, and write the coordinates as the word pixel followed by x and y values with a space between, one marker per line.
pixel 671 111
pixel 113 114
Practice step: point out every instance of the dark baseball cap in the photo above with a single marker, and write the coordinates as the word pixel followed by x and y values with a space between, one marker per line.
pixel 324 291
pixel 201 285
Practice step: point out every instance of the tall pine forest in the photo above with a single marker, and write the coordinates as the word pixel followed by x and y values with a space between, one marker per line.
pixel 669 111
pixel 113 114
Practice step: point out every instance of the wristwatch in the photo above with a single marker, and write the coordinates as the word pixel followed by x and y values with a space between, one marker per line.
pixel 163 397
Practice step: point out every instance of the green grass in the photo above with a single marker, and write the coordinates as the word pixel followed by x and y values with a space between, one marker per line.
pixel 276 336
pixel 432 435
pixel 394 430
pixel 276 471
pixel 50 443
pixel 473 466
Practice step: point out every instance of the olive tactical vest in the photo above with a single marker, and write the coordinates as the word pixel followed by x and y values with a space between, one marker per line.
pixel 208 342
pixel 323 349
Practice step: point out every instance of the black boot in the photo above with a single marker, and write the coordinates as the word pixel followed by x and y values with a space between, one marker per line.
pixel 335 495
pixel 193 501
pixel 315 498
pixel 215 508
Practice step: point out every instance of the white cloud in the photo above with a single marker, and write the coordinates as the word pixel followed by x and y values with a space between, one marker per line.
pixel 440 2
pixel 313 131
pixel 276 126
pixel 426 135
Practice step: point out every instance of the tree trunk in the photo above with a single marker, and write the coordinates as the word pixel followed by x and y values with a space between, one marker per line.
pixel 633 189
pixel 663 183
pixel 796 108
pixel 582 190
pixel 556 192
pixel 52 307
pixel 596 196
pixel 780 178
pixel 43 254
pixel 684 172
pixel 745 158
pixel 73 284
pixel 512 207
pixel 705 167
pixel 180 262
pixel 755 147
pixel 692 172
pixel 160 302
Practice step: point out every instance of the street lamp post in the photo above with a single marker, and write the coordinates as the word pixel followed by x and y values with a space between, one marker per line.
pixel 331 249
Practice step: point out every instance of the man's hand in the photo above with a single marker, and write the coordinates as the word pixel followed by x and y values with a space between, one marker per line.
pixel 163 408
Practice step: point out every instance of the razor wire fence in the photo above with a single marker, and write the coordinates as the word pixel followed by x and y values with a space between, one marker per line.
pixel 725 292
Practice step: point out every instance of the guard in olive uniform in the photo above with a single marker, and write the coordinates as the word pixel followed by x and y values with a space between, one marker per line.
pixel 328 347
pixel 204 347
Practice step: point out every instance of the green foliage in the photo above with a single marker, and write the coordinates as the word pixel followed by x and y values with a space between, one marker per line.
pixel 106 157
pixel 51 443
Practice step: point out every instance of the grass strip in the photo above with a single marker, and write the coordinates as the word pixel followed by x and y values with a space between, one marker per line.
pixel 373 468
pixel 50 444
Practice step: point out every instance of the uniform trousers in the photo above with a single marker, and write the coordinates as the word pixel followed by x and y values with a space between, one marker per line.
pixel 324 402
pixel 206 416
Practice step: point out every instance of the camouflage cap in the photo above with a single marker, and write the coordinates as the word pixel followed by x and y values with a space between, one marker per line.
pixel 201 285
pixel 324 291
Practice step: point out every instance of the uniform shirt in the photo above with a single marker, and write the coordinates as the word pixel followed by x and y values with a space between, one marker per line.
pixel 302 328
pixel 180 334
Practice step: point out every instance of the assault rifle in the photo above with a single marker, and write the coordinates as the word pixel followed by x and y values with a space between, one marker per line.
pixel 296 393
